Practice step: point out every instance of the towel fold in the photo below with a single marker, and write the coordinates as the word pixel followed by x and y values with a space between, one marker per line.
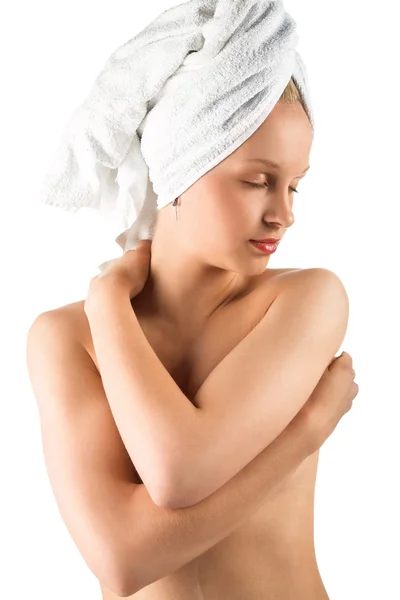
pixel 169 105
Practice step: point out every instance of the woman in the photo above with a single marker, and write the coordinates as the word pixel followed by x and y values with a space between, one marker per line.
pixel 184 472
pixel 251 538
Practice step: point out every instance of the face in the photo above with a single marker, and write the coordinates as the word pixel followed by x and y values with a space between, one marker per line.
pixel 224 209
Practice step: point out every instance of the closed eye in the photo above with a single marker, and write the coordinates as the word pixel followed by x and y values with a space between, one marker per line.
pixel 262 185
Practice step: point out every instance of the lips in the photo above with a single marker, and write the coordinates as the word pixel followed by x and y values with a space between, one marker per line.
pixel 264 247
pixel 268 241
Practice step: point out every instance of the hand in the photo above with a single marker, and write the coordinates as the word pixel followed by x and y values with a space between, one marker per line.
pixel 130 272
pixel 331 399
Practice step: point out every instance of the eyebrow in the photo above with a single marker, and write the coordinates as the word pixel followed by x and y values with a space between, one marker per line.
pixel 271 163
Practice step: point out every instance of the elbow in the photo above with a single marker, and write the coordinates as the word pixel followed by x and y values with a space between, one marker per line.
pixel 121 589
pixel 116 581
pixel 163 495
pixel 190 486
pixel 182 492
pixel 173 502
pixel 182 499
pixel 163 489
pixel 167 499
pixel 169 495
pixel 125 589
pixel 121 576
pixel 180 486
pixel 115 562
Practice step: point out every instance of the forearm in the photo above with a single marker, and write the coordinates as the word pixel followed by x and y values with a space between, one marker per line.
pixel 162 540
pixel 154 418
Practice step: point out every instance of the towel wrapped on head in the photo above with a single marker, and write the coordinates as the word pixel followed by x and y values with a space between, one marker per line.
pixel 169 105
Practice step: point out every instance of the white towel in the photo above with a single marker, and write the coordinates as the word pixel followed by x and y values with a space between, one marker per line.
pixel 169 105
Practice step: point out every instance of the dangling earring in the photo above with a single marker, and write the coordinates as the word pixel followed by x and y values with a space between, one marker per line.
pixel 175 203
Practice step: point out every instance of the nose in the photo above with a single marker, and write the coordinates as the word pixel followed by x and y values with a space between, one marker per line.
pixel 279 211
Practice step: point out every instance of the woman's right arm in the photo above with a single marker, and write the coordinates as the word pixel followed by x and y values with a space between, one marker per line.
pixel 124 537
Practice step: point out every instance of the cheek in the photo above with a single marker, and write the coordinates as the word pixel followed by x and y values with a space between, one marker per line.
pixel 208 221
pixel 235 211
pixel 218 213
pixel 227 213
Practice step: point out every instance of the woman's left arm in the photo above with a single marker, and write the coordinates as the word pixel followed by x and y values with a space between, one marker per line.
pixel 156 421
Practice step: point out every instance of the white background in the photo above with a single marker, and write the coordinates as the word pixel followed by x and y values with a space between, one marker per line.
pixel 347 220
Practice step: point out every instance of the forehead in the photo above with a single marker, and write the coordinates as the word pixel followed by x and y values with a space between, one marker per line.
pixel 285 137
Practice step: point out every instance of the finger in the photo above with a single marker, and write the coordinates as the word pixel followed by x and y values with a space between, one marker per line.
pixel 144 244
pixel 139 246
pixel 346 356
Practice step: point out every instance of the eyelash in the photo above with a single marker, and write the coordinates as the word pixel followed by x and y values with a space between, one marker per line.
pixel 262 185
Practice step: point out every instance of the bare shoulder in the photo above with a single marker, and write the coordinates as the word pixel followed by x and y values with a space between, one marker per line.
pixel 270 284
pixel 296 281
pixel 283 278
pixel 74 317
pixel 74 311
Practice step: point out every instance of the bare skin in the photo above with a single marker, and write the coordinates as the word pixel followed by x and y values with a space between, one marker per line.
pixel 272 555
pixel 207 288
pixel 202 260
